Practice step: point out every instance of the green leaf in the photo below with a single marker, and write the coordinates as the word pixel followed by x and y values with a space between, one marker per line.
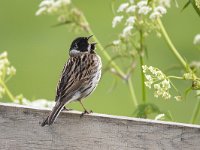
pixel 144 110
pixel 195 6
pixel 186 5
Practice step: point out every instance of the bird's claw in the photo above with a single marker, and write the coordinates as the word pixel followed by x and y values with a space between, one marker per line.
pixel 66 109
pixel 86 112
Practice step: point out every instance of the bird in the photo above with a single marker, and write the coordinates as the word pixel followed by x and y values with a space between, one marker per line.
pixel 79 78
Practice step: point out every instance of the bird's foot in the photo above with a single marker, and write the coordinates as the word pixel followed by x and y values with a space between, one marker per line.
pixel 66 109
pixel 86 112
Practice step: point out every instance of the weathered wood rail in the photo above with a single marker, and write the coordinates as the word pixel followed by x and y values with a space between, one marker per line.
pixel 20 130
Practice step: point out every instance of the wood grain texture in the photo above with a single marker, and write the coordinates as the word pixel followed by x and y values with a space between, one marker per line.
pixel 20 130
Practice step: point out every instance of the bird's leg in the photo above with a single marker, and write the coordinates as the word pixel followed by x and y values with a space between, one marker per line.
pixel 66 109
pixel 85 110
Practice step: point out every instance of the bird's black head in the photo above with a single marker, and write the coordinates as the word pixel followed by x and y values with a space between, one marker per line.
pixel 80 45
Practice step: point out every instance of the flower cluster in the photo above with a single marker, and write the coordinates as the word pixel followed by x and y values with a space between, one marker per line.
pixel 66 12
pixel 159 81
pixel 6 71
pixel 160 117
pixel 197 2
pixel 196 40
pixel 138 14
pixel 40 103
pixel 52 6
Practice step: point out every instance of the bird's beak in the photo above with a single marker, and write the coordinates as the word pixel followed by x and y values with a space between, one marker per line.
pixel 89 37
pixel 93 46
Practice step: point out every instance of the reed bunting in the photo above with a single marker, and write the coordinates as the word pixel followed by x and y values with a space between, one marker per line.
pixel 80 77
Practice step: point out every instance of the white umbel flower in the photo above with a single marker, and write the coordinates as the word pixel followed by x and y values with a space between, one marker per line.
pixel 51 6
pixel 197 40
pixel 127 31
pixel 130 20
pixel 122 7
pixel 46 3
pixel 144 10
pixel 116 42
pixel 165 3
pixel 141 4
pixel 162 10
pixel 155 15
pixel 160 117
pixel 131 9
pixel 116 20
pixel 40 11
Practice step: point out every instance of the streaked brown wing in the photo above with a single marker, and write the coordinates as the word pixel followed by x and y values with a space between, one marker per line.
pixel 76 73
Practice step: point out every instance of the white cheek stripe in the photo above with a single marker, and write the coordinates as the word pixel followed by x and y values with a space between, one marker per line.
pixel 89 48
pixel 74 52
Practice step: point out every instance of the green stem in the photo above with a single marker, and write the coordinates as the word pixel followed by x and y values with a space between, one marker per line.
pixel 107 56
pixel 175 77
pixel 141 64
pixel 195 112
pixel 184 64
pixel 7 91
pixel 171 45
pixel 132 92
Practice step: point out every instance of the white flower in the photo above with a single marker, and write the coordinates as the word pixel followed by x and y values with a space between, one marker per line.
pixel 66 2
pixel 3 55
pixel 145 68
pixel 148 77
pixel 117 20
pixel 4 62
pixel 131 9
pixel 144 10
pixel 160 9
pixel 148 84
pixel 157 86
pixel 166 84
pixel 122 7
pixel 41 11
pixel 131 1
pixel 160 75
pixel 116 42
pixel 197 2
pixel 197 40
pixel 130 20
pixel 151 69
pixel 166 95
pixel 127 31
pixel 60 3
pixel 46 3
pixel 154 15
pixel 188 76
pixel 165 3
pixel 51 6
pixel 160 117
pixel 11 70
pixel 141 4
pixel 42 103
pixel 178 98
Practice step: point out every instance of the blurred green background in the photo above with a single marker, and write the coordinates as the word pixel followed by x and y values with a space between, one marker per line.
pixel 39 51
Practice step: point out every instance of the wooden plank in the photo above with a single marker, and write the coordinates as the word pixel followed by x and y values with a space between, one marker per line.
pixel 20 129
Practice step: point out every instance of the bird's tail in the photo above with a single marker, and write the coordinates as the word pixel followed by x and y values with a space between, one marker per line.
pixel 54 114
